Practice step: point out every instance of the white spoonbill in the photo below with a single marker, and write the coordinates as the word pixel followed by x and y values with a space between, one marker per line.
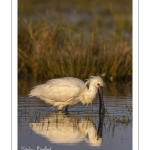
pixel 67 128
pixel 67 91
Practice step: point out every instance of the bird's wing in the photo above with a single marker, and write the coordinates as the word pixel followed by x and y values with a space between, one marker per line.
pixel 63 89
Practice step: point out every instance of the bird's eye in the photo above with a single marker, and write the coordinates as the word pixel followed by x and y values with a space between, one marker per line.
pixel 98 84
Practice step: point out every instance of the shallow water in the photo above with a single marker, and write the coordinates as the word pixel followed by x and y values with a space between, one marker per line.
pixel 40 127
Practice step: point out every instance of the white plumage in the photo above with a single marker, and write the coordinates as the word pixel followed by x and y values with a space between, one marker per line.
pixel 67 91
pixel 67 128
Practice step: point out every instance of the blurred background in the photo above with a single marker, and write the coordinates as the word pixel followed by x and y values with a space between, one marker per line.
pixel 77 38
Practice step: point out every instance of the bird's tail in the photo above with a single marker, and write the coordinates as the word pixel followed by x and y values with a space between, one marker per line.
pixel 36 91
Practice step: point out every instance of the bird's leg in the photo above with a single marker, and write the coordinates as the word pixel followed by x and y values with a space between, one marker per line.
pixel 66 108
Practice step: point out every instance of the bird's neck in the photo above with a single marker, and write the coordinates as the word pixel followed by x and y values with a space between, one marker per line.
pixel 89 94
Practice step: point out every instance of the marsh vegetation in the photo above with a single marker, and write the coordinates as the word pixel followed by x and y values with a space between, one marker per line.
pixel 75 38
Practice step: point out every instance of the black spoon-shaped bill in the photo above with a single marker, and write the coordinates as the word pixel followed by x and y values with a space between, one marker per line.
pixel 101 101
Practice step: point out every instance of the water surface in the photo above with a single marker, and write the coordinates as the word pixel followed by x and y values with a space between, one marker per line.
pixel 39 126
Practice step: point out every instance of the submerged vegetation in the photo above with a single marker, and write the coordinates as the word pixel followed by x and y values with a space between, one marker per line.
pixel 75 38
pixel 87 120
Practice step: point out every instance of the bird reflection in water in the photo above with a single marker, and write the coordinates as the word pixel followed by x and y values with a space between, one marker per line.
pixel 65 128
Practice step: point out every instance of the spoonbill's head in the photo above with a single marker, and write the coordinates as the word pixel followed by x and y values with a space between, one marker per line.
pixel 97 82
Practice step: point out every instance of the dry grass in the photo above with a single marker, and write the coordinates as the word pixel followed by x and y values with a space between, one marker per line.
pixel 49 49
